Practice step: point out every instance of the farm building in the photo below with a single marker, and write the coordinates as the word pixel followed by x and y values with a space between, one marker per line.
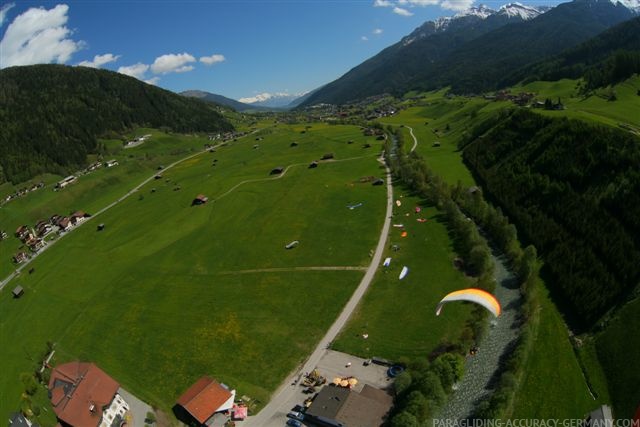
pixel 84 395
pixel 276 171
pixel 68 180
pixel 200 199
pixel 327 156
pixel 205 401
pixel 313 164
pixel 20 257
pixel 344 406
pixel 111 163
pixel 293 144
pixel 378 181
pixel 78 217
pixel 18 291
pixel 23 233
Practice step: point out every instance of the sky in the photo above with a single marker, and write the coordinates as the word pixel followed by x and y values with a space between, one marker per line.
pixel 236 48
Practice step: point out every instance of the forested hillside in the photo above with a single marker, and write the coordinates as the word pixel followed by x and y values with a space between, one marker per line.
pixel 573 189
pixel 608 58
pixel 51 115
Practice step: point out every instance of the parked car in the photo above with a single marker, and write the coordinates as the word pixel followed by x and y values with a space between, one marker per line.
pixel 296 415
pixel 294 423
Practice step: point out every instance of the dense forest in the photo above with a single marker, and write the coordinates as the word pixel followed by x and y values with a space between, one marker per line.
pixel 609 58
pixel 51 115
pixel 573 190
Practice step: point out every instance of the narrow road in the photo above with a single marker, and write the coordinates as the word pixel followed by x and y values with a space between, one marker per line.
pixel 273 414
pixel 483 369
pixel 415 140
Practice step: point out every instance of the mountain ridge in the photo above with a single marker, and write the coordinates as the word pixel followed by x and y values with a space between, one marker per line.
pixel 474 51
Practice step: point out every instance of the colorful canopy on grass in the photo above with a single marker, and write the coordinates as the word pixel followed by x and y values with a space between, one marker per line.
pixel 478 296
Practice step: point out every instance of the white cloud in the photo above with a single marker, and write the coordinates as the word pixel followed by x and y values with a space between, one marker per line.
pixel 100 60
pixel 38 36
pixel 136 70
pixel 3 12
pixel 457 5
pixel 402 12
pixel 377 31
pixel 364 38
pixel 172 63
pixel 382 3
pixel 422 2
pixel 152 80
pixel 213 59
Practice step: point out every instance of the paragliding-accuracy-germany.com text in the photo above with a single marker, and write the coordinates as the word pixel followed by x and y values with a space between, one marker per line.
pixel 537 422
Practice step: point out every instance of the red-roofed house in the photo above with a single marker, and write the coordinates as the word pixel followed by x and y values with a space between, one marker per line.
pixel 206 398
pixel 83 395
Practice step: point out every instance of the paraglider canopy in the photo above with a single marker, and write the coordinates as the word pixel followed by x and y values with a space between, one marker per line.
pixel 478 296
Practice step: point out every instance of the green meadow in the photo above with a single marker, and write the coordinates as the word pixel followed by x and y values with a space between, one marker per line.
pixel 553 385
pixel 399 315
pixel 165 293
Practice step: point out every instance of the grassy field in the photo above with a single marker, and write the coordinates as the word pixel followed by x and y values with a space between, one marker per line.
pixel 595 108
pixel 618 350
pixel 159 297
pixel 399 315
pixel 553 385
pixel 92 191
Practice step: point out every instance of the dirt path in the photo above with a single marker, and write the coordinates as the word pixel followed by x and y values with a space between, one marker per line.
pixel 286 269
pixel 247 181
pixel 483 369
pixel 415 140
pixel 283 399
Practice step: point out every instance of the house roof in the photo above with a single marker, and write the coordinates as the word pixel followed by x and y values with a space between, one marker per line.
pixel 328 402
pixel 78 214
pixel 79 391
pixel 17 290
pixel 204 398
pixel 202 197
pixel 365 409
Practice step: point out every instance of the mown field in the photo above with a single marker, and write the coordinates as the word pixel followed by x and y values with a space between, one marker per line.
pixel 161 297
pixel 92 191
pixel 399 315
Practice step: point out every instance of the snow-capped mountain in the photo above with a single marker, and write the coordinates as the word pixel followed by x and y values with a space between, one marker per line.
pixel 633 5
pixel 510 11
pixel 274 100
pixel 482 12
pixel 513 10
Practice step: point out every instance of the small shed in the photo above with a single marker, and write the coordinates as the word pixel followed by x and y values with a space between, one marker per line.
pixel 100 227
pixel 327 156
pixel 378 181
pixel 436 144
pixel 367 145
pixel 293 144
pixel 200 199
pixel 277 171
pixel 313 164
pixel 18 291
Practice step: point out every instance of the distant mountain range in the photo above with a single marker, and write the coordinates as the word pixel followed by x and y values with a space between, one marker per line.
pixel 272 100
pixel 262 102
pixel 477 50
pixel 221 100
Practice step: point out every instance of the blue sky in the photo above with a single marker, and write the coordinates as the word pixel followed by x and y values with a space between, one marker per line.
pixel 234 48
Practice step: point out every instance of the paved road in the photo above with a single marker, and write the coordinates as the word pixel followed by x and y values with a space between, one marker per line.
pixel 273 414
